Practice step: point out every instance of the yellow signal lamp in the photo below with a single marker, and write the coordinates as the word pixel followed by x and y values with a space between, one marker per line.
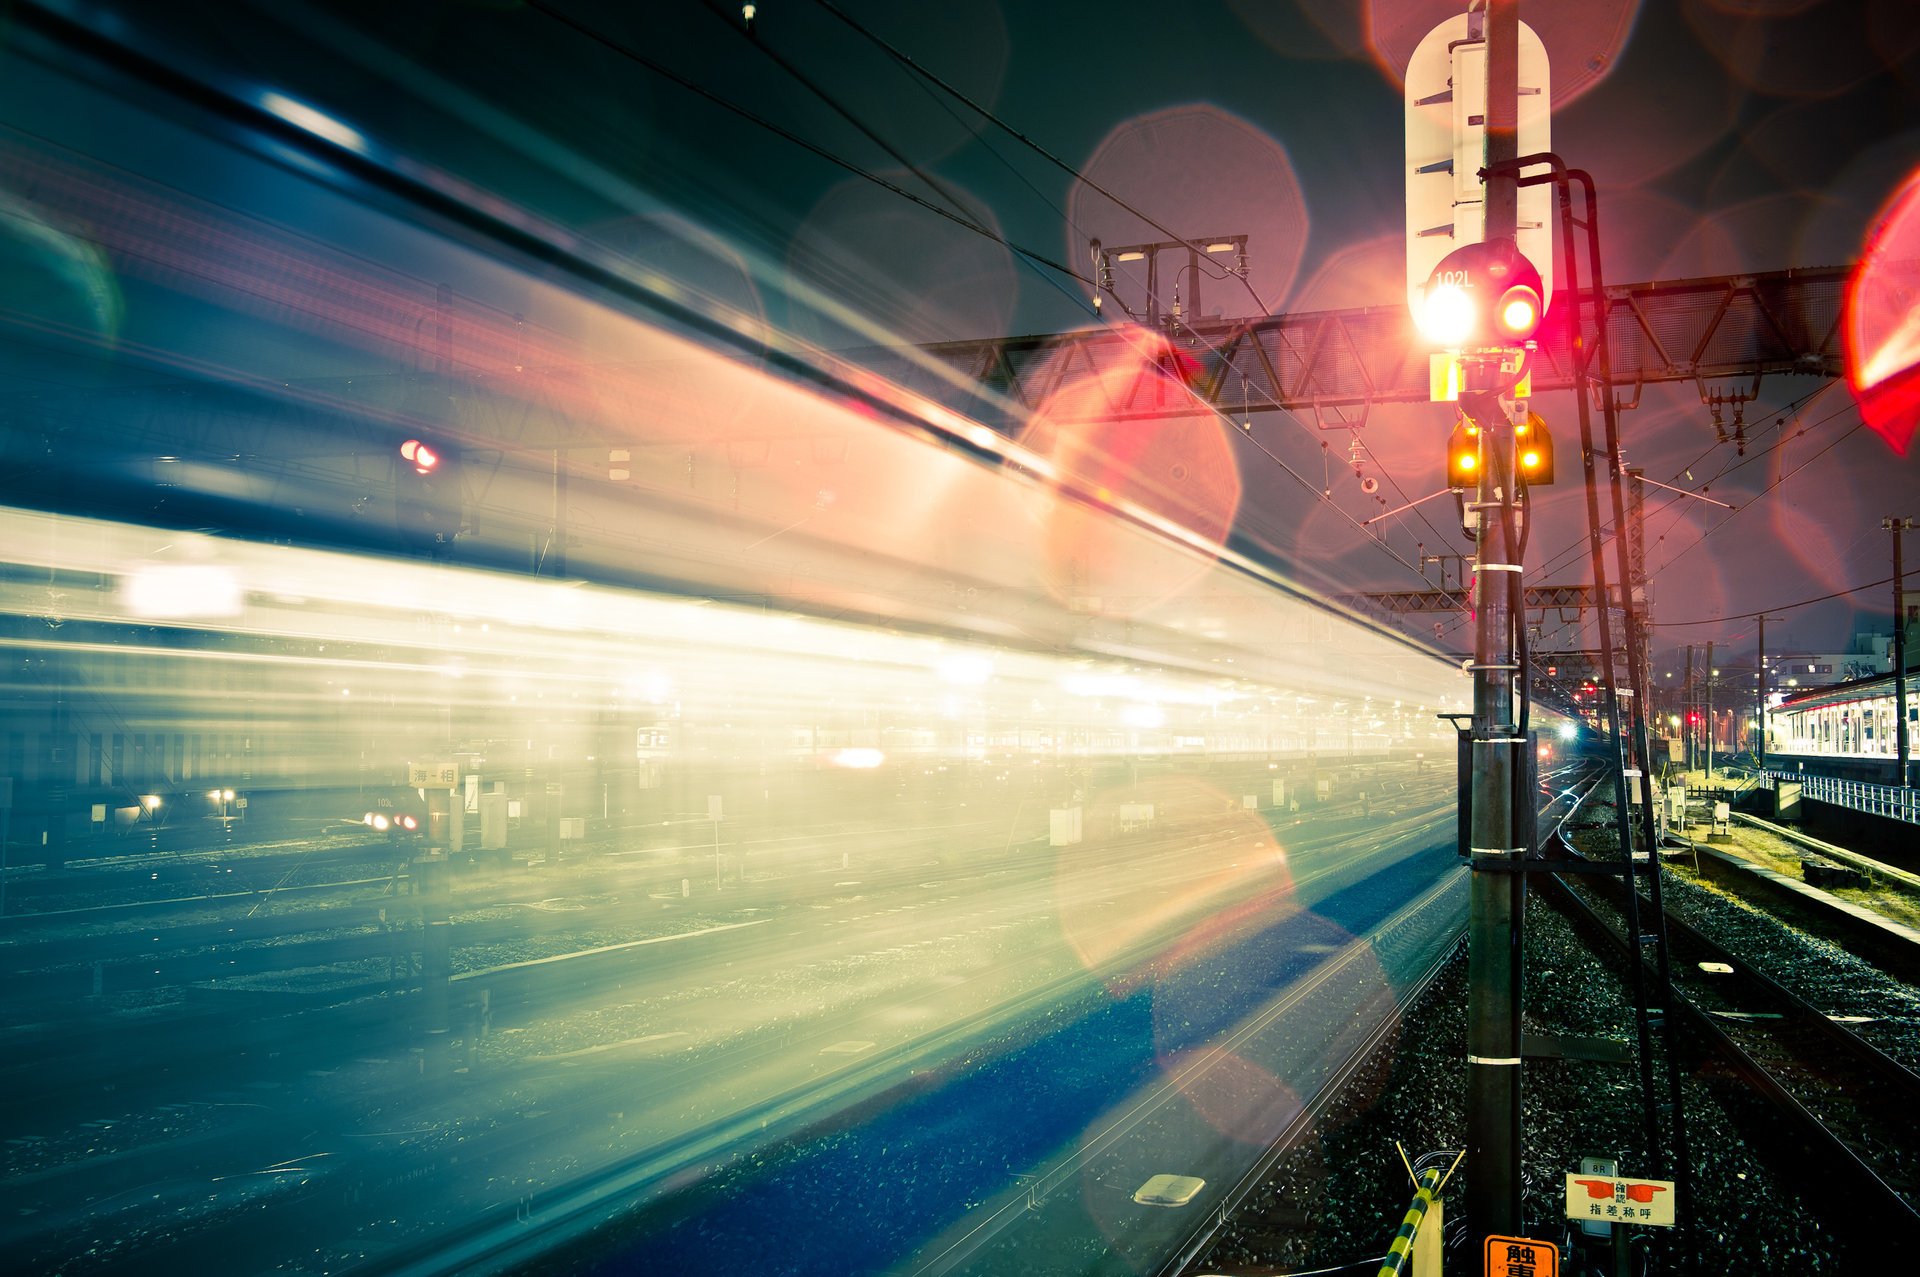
pixel 1463 454
pixel 1533 450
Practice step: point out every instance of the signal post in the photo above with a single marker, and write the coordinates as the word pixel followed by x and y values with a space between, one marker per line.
pixel 1475 247
pixel 1497 902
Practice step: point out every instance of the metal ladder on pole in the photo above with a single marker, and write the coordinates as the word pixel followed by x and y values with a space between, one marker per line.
pixel 1624 672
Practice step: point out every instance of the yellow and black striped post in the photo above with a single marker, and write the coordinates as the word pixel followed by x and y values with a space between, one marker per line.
pixel 1401 1251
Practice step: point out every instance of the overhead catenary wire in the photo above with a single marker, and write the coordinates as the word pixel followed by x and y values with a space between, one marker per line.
pixel 1673 502
pixel 908 61
pixel 1777 607
pixel 625 50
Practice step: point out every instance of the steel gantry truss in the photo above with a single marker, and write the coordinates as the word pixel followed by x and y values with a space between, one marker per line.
pixel 1399 602
pixel 1780 323
pixel 1747 326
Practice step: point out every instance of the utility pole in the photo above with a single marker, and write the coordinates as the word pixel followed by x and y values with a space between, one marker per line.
pixel 1760 699
pixel 1688 702
pixel 1902 745
pixel 1712 673
pixel 1497 901
pixel 1476 286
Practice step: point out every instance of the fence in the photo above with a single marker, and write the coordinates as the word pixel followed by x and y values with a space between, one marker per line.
pixel 1858 795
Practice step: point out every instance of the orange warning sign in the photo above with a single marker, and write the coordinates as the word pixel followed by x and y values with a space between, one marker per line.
pixel 1521 1257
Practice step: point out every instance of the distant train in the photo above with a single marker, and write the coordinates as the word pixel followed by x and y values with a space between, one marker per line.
pixel 1847 730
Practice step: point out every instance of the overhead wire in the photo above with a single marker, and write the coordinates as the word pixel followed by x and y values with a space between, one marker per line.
pixel 1778 607
pixel 1676 501
pixel 625 50
pixel 1578 547
pixel 908 61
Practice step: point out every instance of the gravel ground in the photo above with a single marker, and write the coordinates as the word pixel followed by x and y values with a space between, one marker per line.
pixel 1339 1196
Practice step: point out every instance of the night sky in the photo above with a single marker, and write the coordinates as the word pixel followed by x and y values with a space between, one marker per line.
pixel 1724 135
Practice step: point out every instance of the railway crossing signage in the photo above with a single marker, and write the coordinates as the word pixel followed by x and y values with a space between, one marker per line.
pixel 1521 1257
pixel 433 775
pixel 1616 1199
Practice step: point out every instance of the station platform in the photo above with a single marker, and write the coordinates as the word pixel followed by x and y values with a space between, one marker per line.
pixel 1866 905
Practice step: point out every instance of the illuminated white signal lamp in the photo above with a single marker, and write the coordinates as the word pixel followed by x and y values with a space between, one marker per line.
pixel 1448 315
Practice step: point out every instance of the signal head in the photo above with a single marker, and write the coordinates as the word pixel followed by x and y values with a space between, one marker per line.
pixel 1484 294
pixel 423 456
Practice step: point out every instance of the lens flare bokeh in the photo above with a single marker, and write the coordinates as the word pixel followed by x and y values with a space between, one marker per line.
pixel 1882 322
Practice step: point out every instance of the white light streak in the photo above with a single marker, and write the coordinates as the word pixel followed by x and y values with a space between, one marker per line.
pixel 318 123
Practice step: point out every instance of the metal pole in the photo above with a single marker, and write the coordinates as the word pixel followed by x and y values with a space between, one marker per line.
pixel 1494 924
pixel 1687 710
pixel 1495 902
pixel 1710 723
pixel 1760 700
pixel 1902 745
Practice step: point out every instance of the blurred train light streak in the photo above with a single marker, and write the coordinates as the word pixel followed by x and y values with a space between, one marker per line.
pixel 859 759
pixel 177 591
pixel 970 670
pixel 316 122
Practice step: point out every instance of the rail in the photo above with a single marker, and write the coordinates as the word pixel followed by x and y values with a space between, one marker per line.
pixel 1838 1100
pixel 1315 1110
pixel 1895 802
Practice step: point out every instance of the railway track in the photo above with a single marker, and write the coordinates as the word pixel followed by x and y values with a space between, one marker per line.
pixel 1562 792
pixel 1835 1101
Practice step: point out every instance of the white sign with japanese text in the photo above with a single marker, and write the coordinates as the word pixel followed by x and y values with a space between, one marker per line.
pixel 1618 1199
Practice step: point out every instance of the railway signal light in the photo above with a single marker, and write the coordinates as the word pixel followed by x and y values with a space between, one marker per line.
pixel 424 457
pixel 1463 454
pixel 1533 450
pixel 1482 295
pixel 427 506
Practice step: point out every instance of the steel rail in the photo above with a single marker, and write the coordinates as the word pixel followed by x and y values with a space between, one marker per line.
pixel 1203 1237
pixel 1846 1176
